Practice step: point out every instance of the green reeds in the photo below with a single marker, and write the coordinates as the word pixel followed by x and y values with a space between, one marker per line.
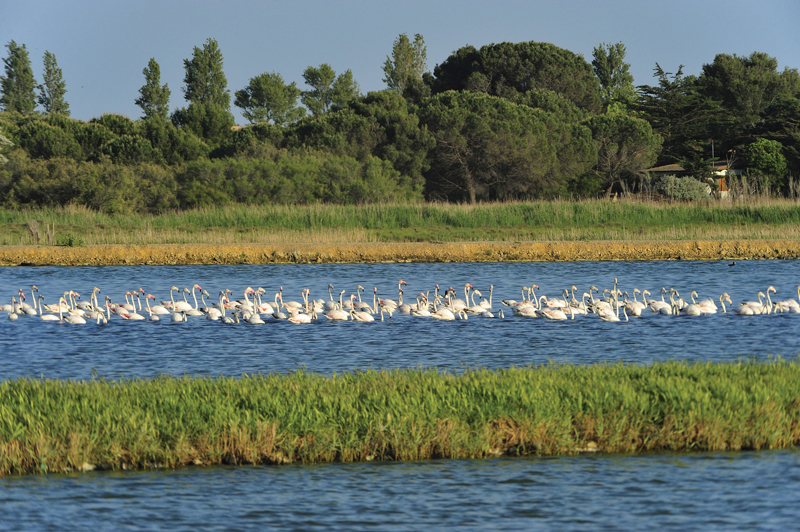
pixel 756 218
pixel 55 426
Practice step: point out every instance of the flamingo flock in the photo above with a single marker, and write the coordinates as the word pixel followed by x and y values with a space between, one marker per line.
pixel 255 307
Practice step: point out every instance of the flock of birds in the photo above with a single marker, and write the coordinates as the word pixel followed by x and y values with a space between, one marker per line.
pixel 611 304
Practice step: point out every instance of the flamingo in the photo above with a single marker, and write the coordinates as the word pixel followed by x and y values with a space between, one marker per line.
pixel 13 314
pixel 357 315
pixel 73 319
pixel 45 317
pixel 790 305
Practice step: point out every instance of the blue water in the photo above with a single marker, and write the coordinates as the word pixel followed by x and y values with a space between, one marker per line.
pixel 681 492
pixel 126 349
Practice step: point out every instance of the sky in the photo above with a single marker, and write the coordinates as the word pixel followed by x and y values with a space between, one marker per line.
pixel 103 46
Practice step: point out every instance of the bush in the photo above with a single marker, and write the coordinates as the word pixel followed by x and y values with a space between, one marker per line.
pixel 682 188
pixel 43 141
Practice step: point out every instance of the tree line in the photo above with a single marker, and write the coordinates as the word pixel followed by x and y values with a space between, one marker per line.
pixel 504 121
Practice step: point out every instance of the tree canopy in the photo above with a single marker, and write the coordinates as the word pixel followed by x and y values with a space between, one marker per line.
pixel 488 148
pixel 268 99
pixel 508 69
pixel 327 89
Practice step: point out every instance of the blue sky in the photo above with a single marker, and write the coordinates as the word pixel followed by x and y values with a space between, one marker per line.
pixel 102 46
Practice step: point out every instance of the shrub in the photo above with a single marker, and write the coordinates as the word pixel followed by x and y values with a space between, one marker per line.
pixel 681 188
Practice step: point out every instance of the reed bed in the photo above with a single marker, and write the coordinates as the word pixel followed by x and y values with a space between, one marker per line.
pixel 627 219
pixel 402 414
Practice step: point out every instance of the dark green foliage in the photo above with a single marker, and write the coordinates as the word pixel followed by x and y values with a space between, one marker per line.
pixel 204 79
pixel 18 84
pixel 43 141
pixel 765 158
pixel 117 124
pixel 153 97
pixel 748 85
pixel 268 99
pixel 91 138
pixel 290 179
pixel 625 145
pixel 781 122
pixel 208 121
pixel 176 145
pixel 509 69
pixel 685 119
pixel 130 149
pixel 488 148
pixel 553 103
pixel 53 89
pixel 382 125
pixel 250 140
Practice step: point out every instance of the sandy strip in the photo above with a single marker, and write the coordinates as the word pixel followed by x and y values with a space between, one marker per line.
pixel 160 254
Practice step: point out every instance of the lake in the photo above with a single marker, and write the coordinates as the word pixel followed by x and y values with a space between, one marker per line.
pixel 686 491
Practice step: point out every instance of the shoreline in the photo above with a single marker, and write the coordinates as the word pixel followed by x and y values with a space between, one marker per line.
pixel 193 254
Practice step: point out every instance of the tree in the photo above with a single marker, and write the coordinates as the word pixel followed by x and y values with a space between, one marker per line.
pixel 204 79
pixel 52 91
pixel 764 157
pixel 510 69
pixel 18 83
pixel 268 98
pixel 208 121
pixel 781 122
pixel 405 67
pixel 153 97
pixel 683 116
pixel 746 86
pixel 488 148
pixel 616 83
pixel 625 146
pixel 328 90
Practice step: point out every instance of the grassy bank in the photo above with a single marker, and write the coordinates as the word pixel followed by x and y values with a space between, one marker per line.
pixel 53 426
pixel 752 218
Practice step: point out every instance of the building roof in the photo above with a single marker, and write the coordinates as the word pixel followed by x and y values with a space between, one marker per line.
pixel 666 168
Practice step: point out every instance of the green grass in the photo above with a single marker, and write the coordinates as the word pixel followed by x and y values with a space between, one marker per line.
pixel 757 218
pixel 55 426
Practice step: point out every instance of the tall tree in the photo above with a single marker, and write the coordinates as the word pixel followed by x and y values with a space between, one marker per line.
pixel 616 83
pixel 685 118
pixel 748 85
pixel 53 88
pixel 18 83
pixel 204 79
pixel 405 67
pixel 153 97
pixel 488 148
pixel 328 90
pixel 268 98
pixel 625 146
pixel 318 99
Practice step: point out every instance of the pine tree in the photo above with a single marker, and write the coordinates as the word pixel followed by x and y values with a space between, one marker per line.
pixel 51 92
pixel 18 83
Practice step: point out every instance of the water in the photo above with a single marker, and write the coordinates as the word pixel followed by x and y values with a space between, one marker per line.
pixel 681 492
pixel 709 491
pixel 201 347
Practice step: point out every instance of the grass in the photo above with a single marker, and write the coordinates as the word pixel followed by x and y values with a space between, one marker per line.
pixel 56 426
pixel 751 218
